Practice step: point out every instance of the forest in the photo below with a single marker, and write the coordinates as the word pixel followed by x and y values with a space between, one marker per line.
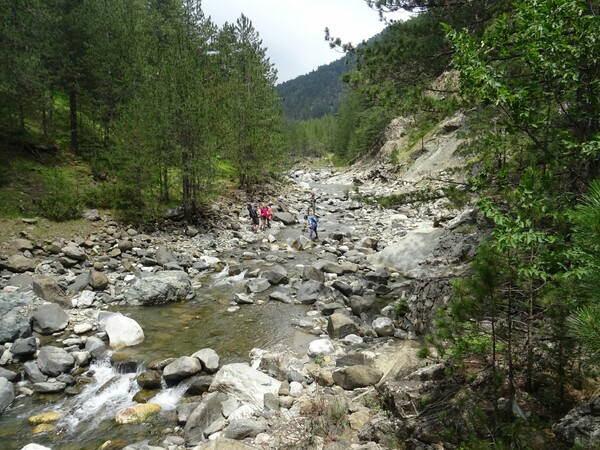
pixel 157 99
pixel 152 96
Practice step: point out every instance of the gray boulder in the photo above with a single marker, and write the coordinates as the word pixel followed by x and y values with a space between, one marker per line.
pixel 182 368
pixel 24 348
pixel 75 252
pixel 33 372
pixel 122 331
pixel 159 288
pixel 198 385
pixel 383 326
pixel 276 275
pixel 302 243
pixel 285 217
pixel 313 273
pixel 80 283
pixel 19 264
pixel 53 361
pixel 9 374
pixel 340 325
pixel 14 323
pixel 48 289
pixel 280 296
pixel 243 299
pixel 209 358
pixel 49 387
pixel 360 305
pixel 97 280
pixel 358 376
pixel 49 318
pixel 379 275
pixel 257 285
pixel 310 291
pixel 224 444
pixel 329 267
pixel 246 384
pixel 581 426
pixel 149 379
pixel 7 394
pixel 19 245
pixel 164 256
pixel 244 428
pixel 91 214
pixel 23 281
pixel 342 287
pixel 95 346
pixel 208 412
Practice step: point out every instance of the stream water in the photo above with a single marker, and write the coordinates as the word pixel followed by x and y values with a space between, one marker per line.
pixel 172 330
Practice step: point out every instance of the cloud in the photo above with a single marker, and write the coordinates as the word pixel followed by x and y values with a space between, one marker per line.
pixel 293 31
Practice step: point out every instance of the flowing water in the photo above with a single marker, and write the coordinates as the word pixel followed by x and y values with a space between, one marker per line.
pixel 172 330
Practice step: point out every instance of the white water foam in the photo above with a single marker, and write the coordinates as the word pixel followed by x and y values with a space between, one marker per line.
pixel 102 398
pixel 223 278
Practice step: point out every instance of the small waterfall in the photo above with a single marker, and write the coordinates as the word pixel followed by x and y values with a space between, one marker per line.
pixel 107 393
pixel 223 278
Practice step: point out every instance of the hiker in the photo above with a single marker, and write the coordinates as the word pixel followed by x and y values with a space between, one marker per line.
pixel 311 223
pixel 263 217
pixel 312 204
pixel 253 216
pixel 269 215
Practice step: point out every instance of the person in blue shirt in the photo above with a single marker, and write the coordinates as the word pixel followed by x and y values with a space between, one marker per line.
pixel 311 223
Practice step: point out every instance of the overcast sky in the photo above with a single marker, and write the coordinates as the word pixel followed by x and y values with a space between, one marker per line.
pixel 293 31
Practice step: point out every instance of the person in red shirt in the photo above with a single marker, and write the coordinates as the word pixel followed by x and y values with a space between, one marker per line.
pixel 263 217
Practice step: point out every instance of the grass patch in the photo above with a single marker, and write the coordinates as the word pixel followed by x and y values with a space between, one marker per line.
pixel 44 230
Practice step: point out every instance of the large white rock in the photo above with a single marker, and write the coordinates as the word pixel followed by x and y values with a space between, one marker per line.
pixel 123 331
pixel 383 326
pixel 320 347
pixel 246 384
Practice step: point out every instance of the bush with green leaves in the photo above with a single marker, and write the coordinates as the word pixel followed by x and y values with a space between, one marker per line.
pixel 62 201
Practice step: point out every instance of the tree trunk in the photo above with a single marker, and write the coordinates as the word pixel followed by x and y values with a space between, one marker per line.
pixel 73 121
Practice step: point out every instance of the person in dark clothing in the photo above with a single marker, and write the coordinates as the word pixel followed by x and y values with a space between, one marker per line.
pixel 253 216
pixel 312 208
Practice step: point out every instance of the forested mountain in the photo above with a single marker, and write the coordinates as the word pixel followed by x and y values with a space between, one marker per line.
pixel 315 94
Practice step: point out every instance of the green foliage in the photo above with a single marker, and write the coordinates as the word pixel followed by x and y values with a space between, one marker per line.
pixel 458 197
pixel 530 66
pixel 61 202
pixel 423 353
pixel 416 196
pixel 400 308
pixel 310 138
pixel 585 272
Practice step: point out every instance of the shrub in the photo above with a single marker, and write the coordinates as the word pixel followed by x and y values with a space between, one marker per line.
pixel 61 201
pixel 423 352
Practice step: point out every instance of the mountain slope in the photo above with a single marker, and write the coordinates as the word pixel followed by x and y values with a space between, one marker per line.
pixel 315 94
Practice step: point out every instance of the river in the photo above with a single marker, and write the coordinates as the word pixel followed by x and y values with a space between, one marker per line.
pixel 171 330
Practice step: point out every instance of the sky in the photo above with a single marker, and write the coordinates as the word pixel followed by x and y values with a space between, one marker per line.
pixel 293 31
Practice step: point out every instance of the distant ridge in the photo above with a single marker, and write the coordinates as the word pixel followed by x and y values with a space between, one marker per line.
pixel 315 94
